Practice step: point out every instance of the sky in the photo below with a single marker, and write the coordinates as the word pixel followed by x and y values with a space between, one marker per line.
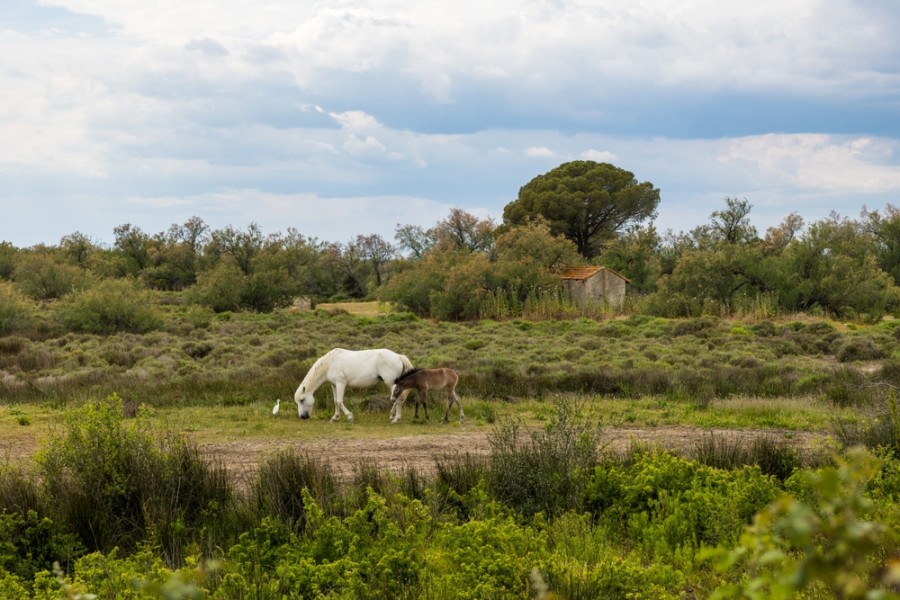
pixel 348 118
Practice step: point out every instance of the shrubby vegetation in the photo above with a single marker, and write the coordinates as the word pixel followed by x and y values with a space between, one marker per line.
pixel 154 521
pixel 465 268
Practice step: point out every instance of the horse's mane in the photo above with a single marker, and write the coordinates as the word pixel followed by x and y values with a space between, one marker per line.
pixel 317 371
pixel 405 375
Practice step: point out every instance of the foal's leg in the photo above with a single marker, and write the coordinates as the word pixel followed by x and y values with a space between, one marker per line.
pixel 451 398
pixel 339 403
pixel 462 417
pixel 449 404
pixel 423 396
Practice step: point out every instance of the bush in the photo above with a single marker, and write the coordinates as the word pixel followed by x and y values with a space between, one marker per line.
pixel 823 536
pixel 43 278
pixel 859 348
pixel 277 488
pixel 771 456
pixel 114 305
pixel 846 386
pixel 671 506
pixel 220 288
pixel 113 486
pixel 16 314
pixel 547 473
pixel 30 543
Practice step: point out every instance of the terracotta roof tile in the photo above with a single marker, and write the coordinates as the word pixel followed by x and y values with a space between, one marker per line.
pixel 582 273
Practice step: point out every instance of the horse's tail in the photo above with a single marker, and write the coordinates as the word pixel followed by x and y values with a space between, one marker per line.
pixel 407 364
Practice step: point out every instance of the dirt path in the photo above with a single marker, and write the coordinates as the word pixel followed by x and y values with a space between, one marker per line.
pixel 242 458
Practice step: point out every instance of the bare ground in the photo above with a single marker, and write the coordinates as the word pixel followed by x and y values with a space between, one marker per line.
pixel 241 458
pixel 420 452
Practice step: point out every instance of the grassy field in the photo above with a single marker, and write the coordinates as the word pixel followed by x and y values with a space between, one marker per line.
pixel 216 377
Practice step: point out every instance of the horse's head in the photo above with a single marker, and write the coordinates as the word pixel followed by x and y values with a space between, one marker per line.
pixel 305 401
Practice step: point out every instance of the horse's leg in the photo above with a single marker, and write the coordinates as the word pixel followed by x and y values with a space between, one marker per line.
pixel 339 402
pixel 397 408
pixel 449 404
pixel 394 403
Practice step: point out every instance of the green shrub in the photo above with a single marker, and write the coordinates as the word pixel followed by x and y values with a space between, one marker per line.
pixel 859 348
pixel 671 507
pixel 16 314
pixel 11 587
pixel 113 305
pixel 220 288
pixel 773 457
pixel 455 478
pixel 44 278
pixel 30 543
pixel 847 386
pixel 114 485
pixel 823 536
pixel 18 491
pixel 880 432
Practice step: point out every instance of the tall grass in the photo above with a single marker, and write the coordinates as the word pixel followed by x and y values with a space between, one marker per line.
pixel 773 457
pixel 277 487
pixel 547 471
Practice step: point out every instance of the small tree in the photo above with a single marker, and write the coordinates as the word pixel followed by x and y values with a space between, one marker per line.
pixel 220 288
pixel 41 276
pixel 15 312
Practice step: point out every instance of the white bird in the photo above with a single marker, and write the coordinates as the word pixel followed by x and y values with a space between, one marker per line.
pixel 277 406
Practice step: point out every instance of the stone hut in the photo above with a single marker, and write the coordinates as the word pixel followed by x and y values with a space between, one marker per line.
pixel 594 284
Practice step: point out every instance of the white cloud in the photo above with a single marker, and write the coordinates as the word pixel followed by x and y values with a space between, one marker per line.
pixel 599 156
pixel 368 146
pixel 818 162
pixel 539 152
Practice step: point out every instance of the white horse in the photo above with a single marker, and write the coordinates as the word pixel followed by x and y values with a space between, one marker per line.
pixel 353 368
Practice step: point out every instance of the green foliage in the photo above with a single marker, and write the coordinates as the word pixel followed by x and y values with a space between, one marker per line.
pixel 30 543
pixel 280 481
pixel 859 348
pixel 42 276
pixel 836 271
pixel 827 538
pixel 636 255
pixel 220 288
pixel 8 254
pixel 673 506
pixel 16 314
pixel 880 432
pixel 113 305
pixel 771 456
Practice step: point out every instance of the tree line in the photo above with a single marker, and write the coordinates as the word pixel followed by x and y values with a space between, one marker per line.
pixel 465 267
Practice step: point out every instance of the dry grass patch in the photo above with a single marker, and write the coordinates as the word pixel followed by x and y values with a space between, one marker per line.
pixel 359 309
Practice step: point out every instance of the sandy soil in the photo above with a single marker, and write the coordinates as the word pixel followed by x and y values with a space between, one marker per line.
pixel 421 452
pixel 242 458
